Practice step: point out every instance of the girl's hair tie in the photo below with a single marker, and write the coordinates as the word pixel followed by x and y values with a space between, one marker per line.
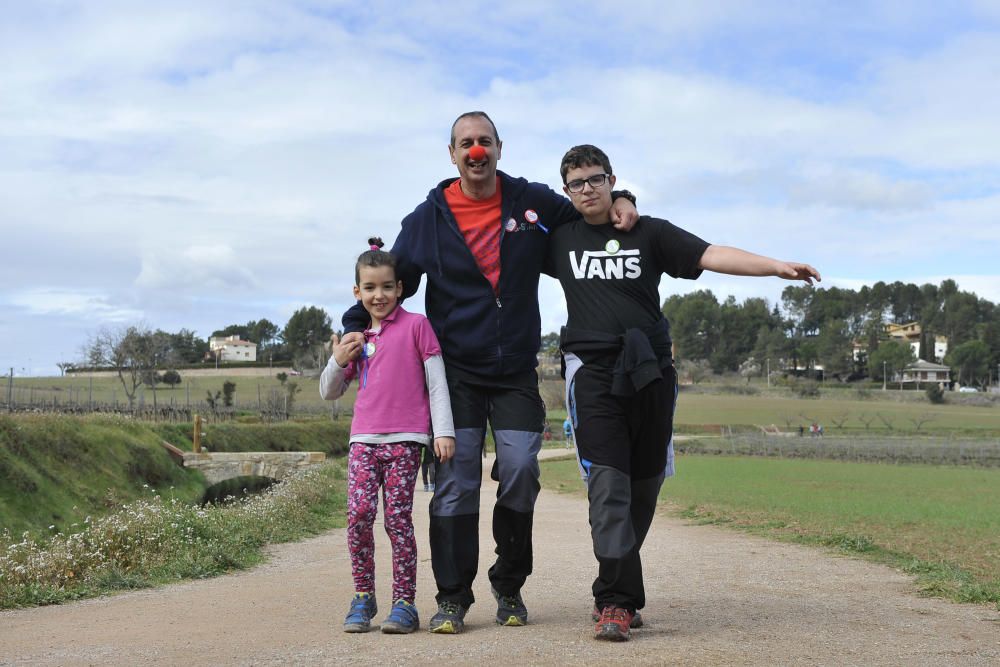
pixel 373 247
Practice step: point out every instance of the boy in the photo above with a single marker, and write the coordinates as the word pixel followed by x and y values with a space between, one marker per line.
pixel 620 381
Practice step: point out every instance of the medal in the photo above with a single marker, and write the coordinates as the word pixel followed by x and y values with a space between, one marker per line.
pixel 612 246
pixel 369 350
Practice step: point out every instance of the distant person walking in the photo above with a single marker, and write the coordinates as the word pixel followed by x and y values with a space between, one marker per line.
pixel 568 432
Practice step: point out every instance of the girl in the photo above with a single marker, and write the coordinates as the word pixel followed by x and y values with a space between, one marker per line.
pixel 402 392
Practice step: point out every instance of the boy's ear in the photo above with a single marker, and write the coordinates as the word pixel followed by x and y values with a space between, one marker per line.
pixel 357 292
pixel 612 180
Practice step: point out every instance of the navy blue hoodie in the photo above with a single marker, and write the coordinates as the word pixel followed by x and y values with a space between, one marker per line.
pixel 479 331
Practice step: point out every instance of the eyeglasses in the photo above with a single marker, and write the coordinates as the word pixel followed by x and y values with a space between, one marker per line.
pixel 596 181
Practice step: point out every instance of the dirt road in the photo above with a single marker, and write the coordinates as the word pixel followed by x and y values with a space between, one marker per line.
pixel 716 598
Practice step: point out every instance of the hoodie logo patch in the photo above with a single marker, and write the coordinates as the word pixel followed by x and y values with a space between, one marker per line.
pixel 531 216
pixel 511 225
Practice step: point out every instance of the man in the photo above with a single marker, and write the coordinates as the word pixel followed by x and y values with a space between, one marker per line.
pixel 620 380
pixel 481 240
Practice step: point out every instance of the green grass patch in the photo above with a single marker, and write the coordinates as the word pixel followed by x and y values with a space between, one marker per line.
pixel 58 470
pixel 941 524
pixel 107 390
pixel 877 414
pixel 153 541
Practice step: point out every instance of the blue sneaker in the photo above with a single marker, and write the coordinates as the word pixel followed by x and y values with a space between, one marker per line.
pixel 363 610
pixel 402 619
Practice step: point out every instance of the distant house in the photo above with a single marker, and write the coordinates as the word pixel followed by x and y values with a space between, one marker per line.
pixel 910 333
pixel 231 348
pixel 925 372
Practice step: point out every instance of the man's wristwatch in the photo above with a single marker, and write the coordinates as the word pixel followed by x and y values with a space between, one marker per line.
pixel 615 194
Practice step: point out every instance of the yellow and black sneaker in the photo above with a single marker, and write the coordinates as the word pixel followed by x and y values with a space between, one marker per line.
pixel 510 609
pixel 449 619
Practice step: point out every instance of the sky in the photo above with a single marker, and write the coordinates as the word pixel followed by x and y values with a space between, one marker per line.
pixel 199 164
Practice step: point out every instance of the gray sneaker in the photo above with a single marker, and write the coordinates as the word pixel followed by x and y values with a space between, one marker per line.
pixel 510 609
pixel 449 619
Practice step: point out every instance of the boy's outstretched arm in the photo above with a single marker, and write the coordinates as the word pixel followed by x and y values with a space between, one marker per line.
pixel 736 262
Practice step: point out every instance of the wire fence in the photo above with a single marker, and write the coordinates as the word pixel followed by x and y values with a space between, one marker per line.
pixel 271 404
pixel 935 450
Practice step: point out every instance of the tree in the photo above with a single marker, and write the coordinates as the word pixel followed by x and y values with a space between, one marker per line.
pixel 291 389
pixel 130 351
pixel 263 332
pixel 64 366
pixel 771 344
pixel 694 323
pixel 833 348
pixel 171 378
pixel 749 368
pixel 695 370
pixel 228 392
pixel 550 345
pixel 306 332
pixel 240 330
pixel 891 355
pixel 186 347
pixel 971 361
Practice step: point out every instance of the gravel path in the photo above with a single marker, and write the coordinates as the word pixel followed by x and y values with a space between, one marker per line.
pixel 715 597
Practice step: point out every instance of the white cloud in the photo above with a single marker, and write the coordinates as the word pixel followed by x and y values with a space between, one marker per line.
pixel 65 302
pixel 211 268
pixel 238 154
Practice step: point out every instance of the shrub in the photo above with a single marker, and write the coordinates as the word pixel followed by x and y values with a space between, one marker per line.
pixel 738 389
pixel 805 388
pixel 935 394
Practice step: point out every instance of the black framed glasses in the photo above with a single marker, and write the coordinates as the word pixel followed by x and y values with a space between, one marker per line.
pixel 595 181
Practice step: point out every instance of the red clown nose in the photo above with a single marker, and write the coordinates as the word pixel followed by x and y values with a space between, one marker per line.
pixel 477 153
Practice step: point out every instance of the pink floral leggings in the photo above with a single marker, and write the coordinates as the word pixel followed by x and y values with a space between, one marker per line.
pixel 393 466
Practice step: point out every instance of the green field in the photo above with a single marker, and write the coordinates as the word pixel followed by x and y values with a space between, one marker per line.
pixel 940 523
pixel 699 408
pixel 695 408
pixel 192 390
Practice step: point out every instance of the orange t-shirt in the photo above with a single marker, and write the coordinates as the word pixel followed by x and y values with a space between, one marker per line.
pixel 479 222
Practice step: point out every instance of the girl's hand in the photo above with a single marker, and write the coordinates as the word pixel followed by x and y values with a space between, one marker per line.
pixel 347 350
pixel 444 448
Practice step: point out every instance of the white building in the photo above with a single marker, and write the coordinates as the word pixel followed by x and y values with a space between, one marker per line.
pixel 924 372
pixel 231 348
pixel 910 333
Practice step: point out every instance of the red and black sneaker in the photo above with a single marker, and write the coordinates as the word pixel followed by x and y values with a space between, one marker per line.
pixel 595 616
pixel 614 624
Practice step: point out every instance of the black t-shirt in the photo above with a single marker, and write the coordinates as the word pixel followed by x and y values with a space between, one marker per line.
pixel 611 277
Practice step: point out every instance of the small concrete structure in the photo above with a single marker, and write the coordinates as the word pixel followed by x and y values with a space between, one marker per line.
pixel 220 466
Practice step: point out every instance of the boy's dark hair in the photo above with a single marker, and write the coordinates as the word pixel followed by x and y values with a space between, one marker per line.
pixel 470 114
pixel 584 155
pixel 374 257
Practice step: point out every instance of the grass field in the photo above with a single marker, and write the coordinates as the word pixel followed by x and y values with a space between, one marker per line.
pixel 837 409
pixel 941 524
pixel 786 411
pixel 107 390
